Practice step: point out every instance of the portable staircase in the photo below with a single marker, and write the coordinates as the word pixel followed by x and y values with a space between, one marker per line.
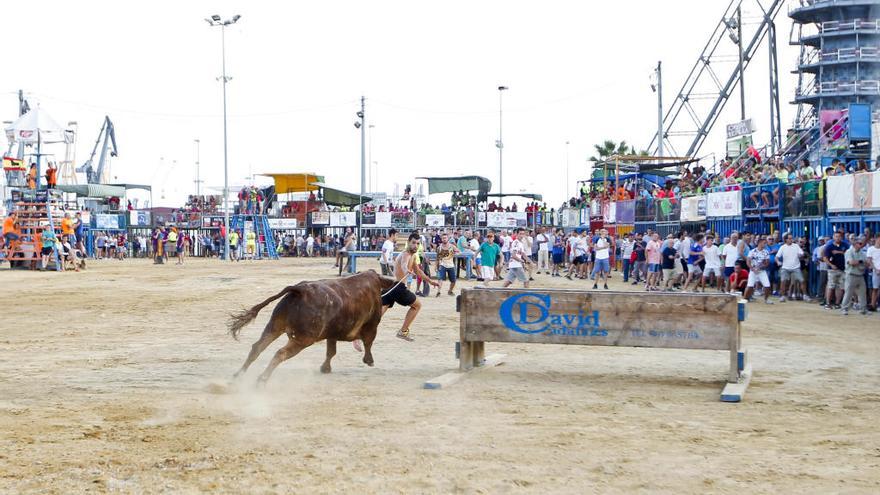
pixel 36 215
pixel 259 224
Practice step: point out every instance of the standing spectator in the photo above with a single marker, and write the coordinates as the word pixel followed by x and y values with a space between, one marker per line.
pixel 712 273
pixel 387 257
pixel 834 256
pixel 310 245
pixel 730 254
pixel 641 261
pixel 758 260
pixel 489 253
pixel 788 257
pixel 653 256
pixel 669 256
pixel 445 264
pixel 558 254
pixel 543 241
pixel 873 256
pixel 626 250
pixel 602 253
pixel 856 262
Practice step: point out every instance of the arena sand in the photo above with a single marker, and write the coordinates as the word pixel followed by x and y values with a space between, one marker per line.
pixel 109 382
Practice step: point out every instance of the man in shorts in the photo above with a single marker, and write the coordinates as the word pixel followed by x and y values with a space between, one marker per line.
pixel 445 264
pixel 669 255
pixel 234 238
pixel 873 255
pixel 516 265
pixel 406 265
pixel 10 234
pixel 712 273
pixel 48 240
pixel 856 262
pixel 834 257
pixel 489 252
pixel 758 259
pixel 694 272
pixel 788 257
pixel 653 255
pixel 602 253
pixel 730 254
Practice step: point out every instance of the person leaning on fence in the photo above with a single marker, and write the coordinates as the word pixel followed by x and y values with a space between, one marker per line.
pixel 856 263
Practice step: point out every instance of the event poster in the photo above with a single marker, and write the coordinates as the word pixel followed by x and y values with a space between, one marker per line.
pixel 853 192
pixel 320 218
pixel 434 220
pixel 723 204
pixel 136 218
pixel 282 223
pixel 506 219
pixel 693 209
pixel 343 219
pixel 106 221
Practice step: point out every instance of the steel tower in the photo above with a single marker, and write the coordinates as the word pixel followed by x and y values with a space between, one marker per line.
pixel 839 61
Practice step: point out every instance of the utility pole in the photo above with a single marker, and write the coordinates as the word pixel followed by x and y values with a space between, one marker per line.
pixel 500 145
pixel 659 110
pixel 215 21
pixel 198 180
pixel 370 162
pixel 361 124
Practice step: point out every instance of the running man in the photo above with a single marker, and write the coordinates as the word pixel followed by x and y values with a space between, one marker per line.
pixel 445 264
pixel 516 265
pixel 405 265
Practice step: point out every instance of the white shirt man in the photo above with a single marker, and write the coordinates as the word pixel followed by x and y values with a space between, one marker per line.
pixel 789 257
pixel 387 257
pixel 543 241
pixel 712 255
pixel 310 245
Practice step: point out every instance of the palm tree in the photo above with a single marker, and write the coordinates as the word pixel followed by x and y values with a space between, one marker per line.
pixel 609 148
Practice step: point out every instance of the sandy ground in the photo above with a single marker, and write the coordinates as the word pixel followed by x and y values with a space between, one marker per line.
pixel 109 382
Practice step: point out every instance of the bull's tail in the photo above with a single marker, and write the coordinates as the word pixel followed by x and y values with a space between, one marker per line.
pixel 241 319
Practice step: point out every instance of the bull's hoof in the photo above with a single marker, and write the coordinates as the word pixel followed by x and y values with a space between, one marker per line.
pixel 325 368
pixel 368 362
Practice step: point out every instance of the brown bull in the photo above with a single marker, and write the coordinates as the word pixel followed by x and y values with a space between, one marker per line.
pixel 341 309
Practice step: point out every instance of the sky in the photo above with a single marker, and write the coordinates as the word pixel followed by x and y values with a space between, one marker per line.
pixel 578 72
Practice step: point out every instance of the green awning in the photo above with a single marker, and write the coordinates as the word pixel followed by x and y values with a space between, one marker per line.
pixel 336 197
pixel 93 190
pixel 437 185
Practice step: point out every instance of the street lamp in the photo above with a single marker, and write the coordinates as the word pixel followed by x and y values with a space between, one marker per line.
pixel 500 145
pixel 361 124
pixel 215 21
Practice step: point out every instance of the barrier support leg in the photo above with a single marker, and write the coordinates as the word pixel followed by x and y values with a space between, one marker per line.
pixel 735 391
pixel 466 356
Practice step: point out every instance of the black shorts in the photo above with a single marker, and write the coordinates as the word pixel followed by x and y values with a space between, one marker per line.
pixel 398 294
pixel 46 251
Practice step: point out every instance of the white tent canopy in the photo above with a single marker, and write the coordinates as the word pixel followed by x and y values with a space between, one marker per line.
pixel 36 124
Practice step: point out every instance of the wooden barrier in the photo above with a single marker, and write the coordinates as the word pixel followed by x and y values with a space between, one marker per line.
pixel 625 319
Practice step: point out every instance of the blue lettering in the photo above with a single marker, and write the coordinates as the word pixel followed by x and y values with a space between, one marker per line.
pixel 506 312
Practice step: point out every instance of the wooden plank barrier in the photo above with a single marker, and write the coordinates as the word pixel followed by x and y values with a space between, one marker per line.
pixel 624 319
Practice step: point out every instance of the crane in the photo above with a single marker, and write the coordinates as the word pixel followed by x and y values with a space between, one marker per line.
pixel 108 135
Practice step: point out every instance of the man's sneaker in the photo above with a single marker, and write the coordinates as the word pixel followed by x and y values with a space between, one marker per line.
pixel 606 286
pixel 768 301
pixel 863 312
pixel 844 312
pixel 595 286
pixel 827 306
pixel 782 299
pixel 806 298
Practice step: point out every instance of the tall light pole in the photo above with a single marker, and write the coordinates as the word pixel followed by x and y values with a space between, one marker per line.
pixel 361 124
pixel 214 21
pixel 500 145
pixel 370 162
pixel 198 175
pixel 658 88
pixel 567 182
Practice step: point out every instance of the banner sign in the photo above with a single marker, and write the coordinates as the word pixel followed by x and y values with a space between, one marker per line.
pixel 506 219
pixel 853 192
pixel 320 218
pixel 107 222
pixel 693 209
pixel 379 219
pixel 435 221
pixel 343 219
pixel 282 223
pixel 609 212
pixel 571 217
pixel 626 212
pixel 741 128
pixel 136 218
pixel 723 204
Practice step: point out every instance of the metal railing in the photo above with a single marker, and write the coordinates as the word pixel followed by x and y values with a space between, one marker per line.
pixel 804 199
